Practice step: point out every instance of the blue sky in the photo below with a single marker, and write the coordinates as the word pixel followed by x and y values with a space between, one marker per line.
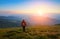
pixel 30 6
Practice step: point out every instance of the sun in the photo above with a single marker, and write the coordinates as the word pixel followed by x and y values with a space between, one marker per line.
pixel 40 12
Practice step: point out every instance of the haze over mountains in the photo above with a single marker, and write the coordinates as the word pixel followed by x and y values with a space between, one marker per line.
pixel 15 20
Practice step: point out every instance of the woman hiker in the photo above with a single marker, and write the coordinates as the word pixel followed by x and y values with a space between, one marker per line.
pixel 23 24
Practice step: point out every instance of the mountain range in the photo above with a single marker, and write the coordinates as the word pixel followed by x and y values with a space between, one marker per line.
pixel 15 20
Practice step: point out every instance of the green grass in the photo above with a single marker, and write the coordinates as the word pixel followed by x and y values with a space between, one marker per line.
pixel 32 32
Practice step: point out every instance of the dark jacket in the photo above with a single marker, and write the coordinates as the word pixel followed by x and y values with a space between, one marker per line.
pixel 23 23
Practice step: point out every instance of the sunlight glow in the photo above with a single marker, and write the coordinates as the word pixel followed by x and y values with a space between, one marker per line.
pixel 40 12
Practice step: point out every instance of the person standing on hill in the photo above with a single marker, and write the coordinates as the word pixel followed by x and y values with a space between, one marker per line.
pixel 23 24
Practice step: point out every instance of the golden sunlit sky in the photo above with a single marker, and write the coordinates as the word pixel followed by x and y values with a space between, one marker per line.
pixel 30 6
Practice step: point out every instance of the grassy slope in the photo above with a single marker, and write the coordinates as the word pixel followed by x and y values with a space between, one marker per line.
pixel 32 32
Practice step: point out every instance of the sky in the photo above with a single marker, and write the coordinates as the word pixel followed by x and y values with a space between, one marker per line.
pixel 39 7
